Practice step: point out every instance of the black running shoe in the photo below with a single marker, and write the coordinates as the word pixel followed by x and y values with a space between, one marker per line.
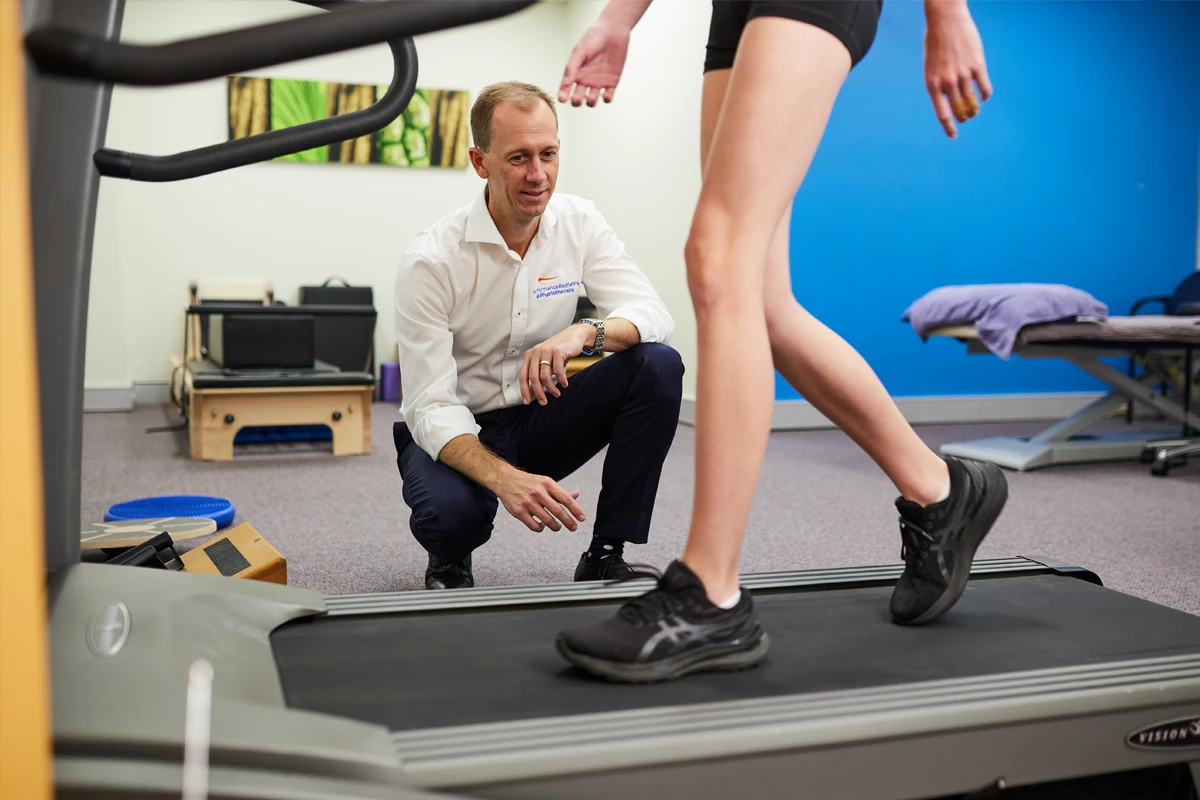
pixel 667 633
pixel 611 567
pixel 940 540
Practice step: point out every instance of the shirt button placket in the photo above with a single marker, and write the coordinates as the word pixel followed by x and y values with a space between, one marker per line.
pixel 520 322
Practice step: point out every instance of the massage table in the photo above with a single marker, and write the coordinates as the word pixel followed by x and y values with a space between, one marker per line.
pixel 1162 344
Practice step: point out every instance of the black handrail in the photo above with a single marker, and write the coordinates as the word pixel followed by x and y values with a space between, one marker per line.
pixel 272 144
pixel 60 51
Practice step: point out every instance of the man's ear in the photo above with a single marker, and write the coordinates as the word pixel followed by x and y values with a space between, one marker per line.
pixel 476 156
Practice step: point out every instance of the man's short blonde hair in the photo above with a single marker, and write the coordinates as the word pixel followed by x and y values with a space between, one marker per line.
pixel 524 96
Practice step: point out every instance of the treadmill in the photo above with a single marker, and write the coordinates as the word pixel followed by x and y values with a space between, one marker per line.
pixel 1039 675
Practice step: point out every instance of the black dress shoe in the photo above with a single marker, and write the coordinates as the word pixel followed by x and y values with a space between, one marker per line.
pixel 448 574
pixel 611 568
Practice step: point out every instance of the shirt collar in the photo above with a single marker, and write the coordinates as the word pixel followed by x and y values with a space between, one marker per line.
pixel 480 225
pixel 482 228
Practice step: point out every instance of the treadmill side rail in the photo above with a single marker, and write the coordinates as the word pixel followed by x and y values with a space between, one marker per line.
pixel 1027 727
pixel 811 580
pixel 122 640
pixel 1070 570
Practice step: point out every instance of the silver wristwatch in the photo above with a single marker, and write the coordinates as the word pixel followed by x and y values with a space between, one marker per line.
pixel 599 345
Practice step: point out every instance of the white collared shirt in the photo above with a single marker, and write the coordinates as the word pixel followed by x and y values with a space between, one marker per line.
pixel 468 308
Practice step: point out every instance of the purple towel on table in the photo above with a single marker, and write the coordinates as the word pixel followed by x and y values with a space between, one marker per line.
pixel 999 311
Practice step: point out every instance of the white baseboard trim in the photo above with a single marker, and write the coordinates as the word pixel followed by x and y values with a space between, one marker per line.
pixel 788 415
pixel 794 415
pixel 107 398
pixel 151 393
pixel 125 398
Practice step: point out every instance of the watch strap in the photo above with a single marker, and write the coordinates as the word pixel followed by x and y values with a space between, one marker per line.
pixel 599 344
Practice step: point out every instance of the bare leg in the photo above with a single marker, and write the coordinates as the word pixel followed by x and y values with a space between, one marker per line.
pixel 824 367
pixel 780 93
pixel 831 375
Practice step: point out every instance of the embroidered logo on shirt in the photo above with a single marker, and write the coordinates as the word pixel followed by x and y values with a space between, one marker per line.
pixel 551 278
pixel 550 290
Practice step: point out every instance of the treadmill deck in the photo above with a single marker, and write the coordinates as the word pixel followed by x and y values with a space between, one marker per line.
pixel 409 671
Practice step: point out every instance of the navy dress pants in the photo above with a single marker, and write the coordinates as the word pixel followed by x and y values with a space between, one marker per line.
pixel 628 401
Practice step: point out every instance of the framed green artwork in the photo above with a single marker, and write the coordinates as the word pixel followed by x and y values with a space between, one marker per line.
pixel 432 131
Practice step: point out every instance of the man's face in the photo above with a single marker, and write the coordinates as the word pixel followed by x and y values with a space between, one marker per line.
pixel 521 166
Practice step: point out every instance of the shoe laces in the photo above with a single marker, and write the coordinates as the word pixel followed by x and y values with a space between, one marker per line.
pixel 654 605
pixel 915 543
pixel 615 561
pixel 450 569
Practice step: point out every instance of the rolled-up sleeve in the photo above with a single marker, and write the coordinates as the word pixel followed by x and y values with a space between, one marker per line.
pixel 618 287
pixel 428 371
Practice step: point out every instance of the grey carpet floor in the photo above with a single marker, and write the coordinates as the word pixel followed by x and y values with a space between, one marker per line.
pixel 343 526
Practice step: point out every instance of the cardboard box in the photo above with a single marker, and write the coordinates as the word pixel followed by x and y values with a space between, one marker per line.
pixel 240 553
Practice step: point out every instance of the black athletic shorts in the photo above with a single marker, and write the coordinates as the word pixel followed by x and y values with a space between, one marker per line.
pixel 854 22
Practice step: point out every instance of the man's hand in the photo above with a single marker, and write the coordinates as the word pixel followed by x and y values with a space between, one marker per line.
pixel 954 61
pixel 548 361
pixel 538 501
pixel 534 499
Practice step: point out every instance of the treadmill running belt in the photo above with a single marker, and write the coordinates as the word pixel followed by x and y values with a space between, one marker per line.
pixel 409 671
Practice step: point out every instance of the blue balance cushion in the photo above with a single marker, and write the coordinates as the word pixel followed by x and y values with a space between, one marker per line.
pixel 218 509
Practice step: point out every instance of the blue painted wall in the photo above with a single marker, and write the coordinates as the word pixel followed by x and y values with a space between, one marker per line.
pixel 1082 169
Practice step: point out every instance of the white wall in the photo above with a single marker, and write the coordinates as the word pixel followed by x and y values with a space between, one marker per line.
pixel 293 224
pixel 296 224
pixel 641 153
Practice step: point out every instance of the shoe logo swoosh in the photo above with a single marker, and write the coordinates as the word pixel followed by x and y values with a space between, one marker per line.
pixel 677 632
